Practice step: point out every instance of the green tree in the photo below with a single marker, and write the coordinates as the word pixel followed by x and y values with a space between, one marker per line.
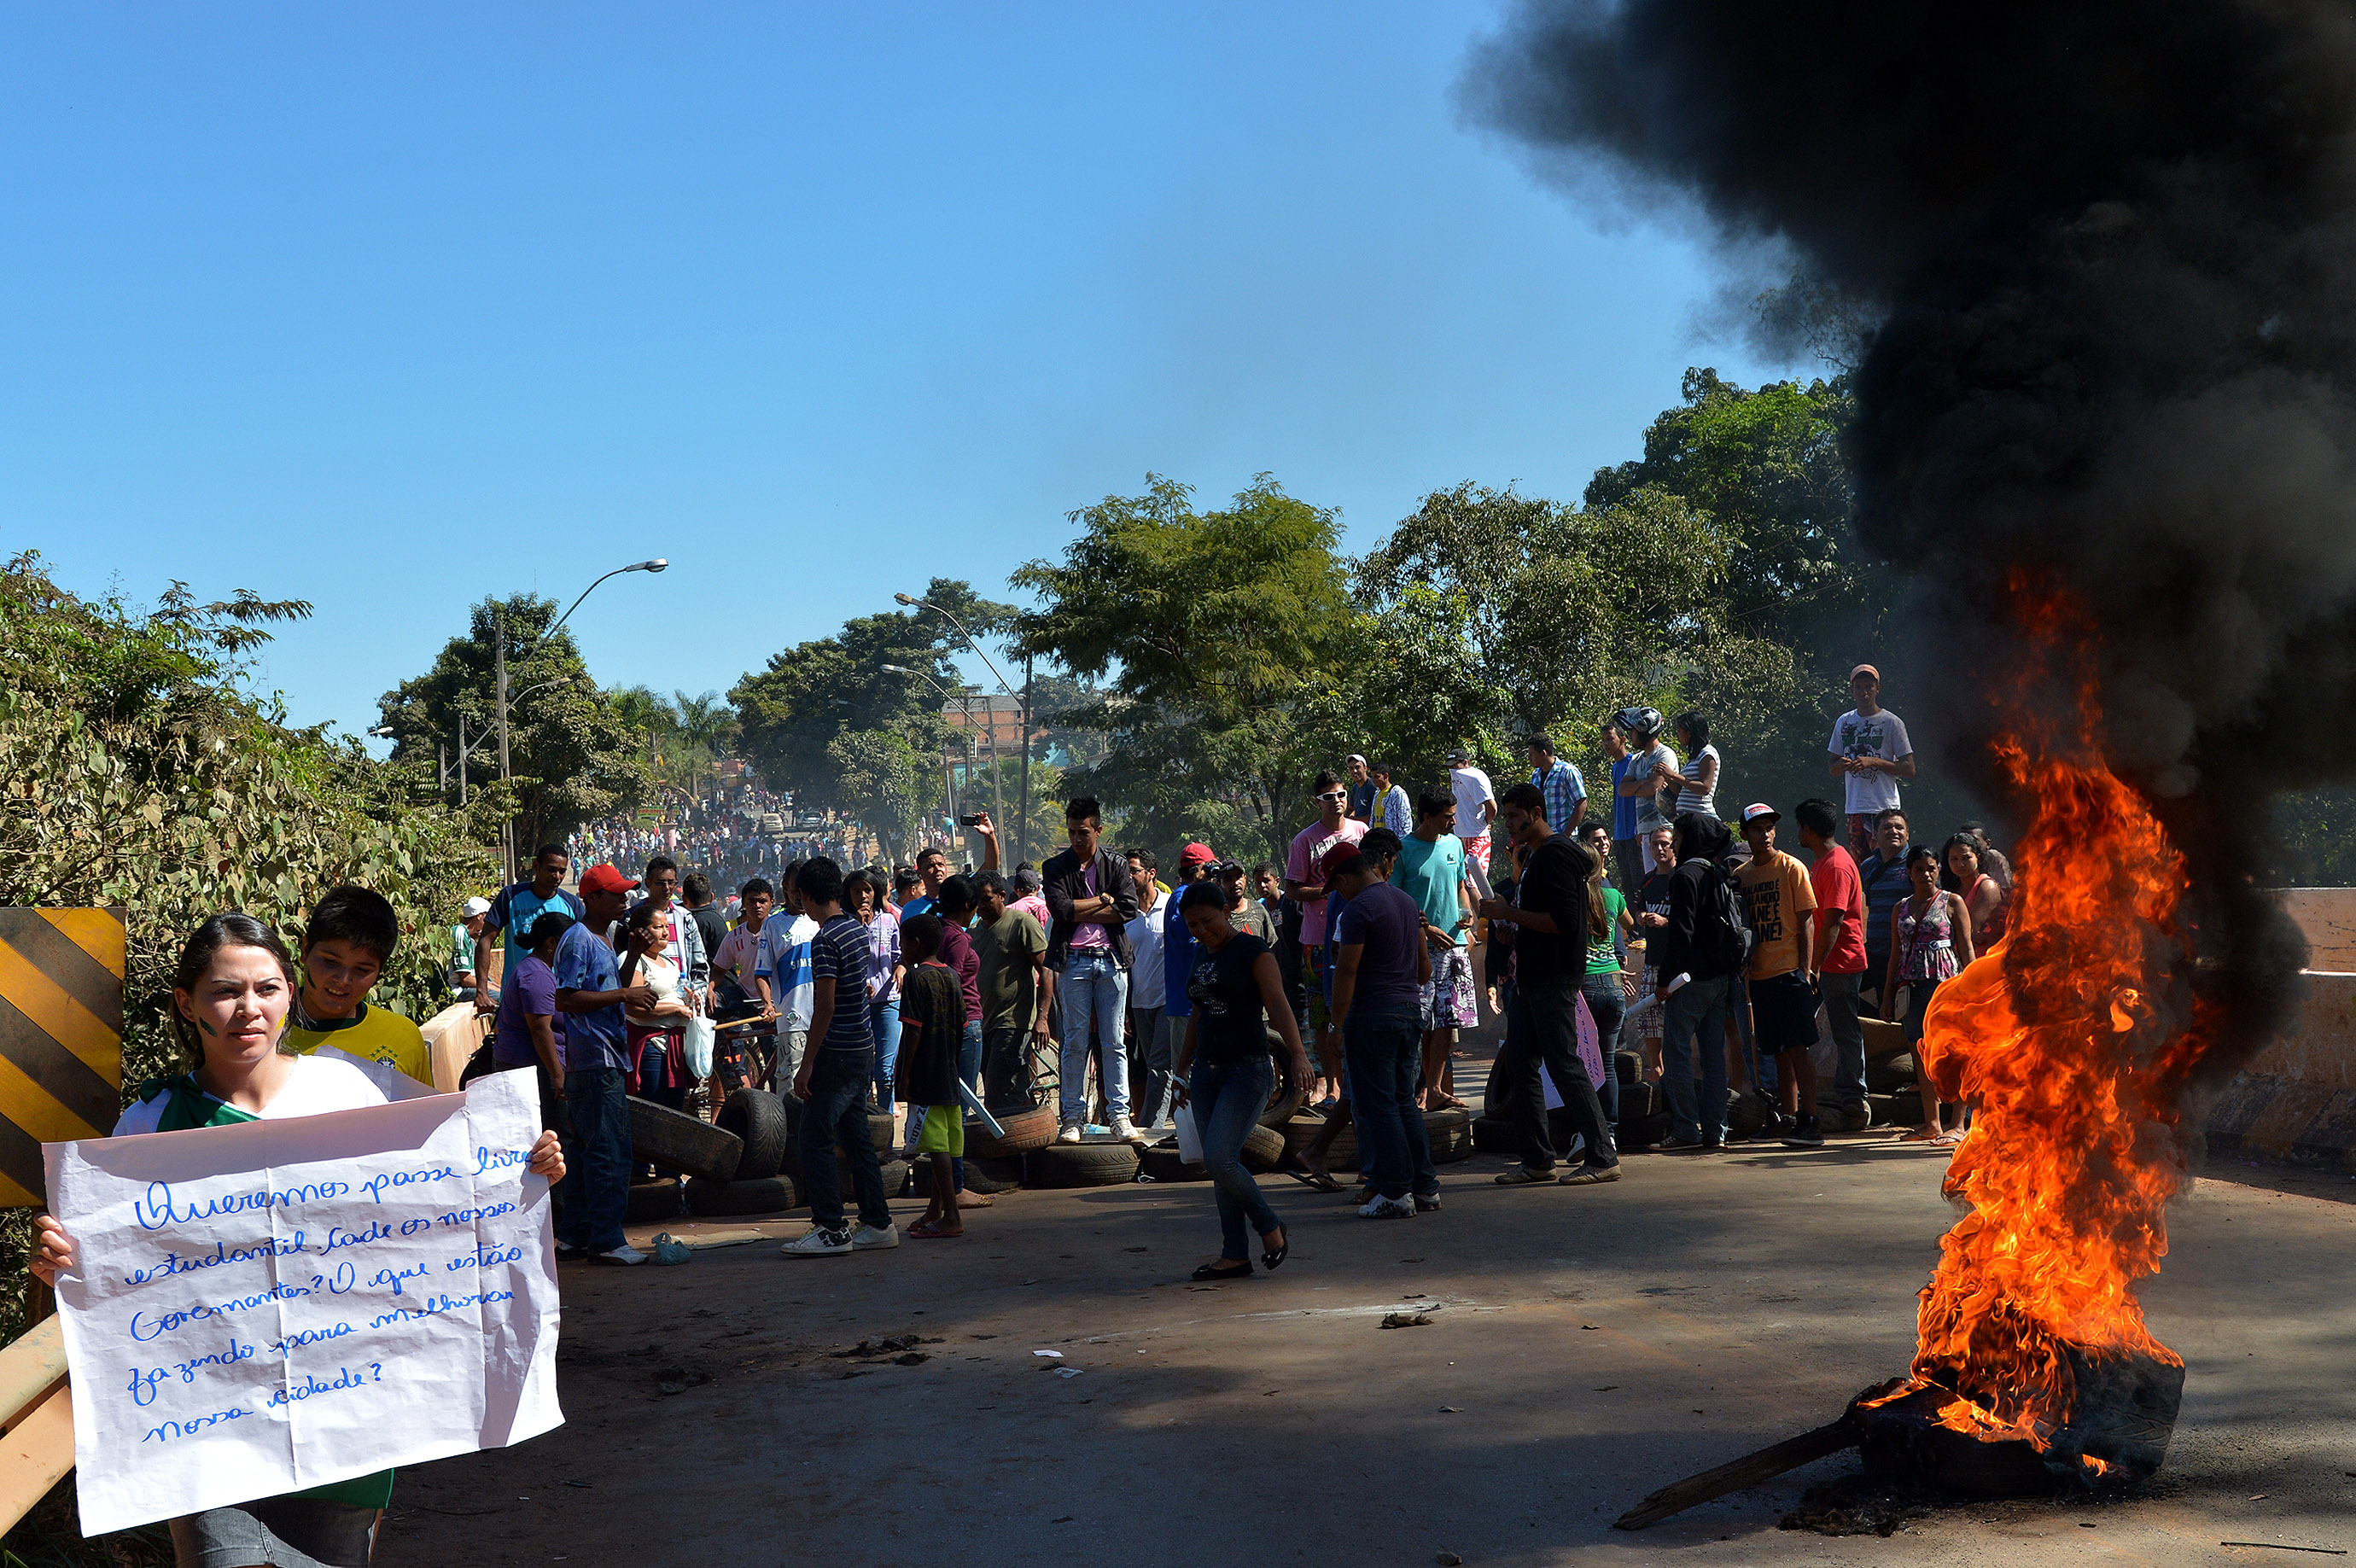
pixel 828 722
pixel 1496 615
pixel 1213 633
pixel 138 772
pixel 574 750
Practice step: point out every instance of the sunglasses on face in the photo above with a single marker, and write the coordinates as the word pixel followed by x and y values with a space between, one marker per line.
pixel 1334 794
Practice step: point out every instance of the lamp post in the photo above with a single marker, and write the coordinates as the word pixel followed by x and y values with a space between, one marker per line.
pixel 502 702
pixel 964 695
pixel 1022 816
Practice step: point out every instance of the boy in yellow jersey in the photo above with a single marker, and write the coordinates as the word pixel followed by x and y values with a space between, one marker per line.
pixel 350 936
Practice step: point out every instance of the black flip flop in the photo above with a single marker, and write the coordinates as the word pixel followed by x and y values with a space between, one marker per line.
pixel 1269 1260
pixel 1214 1272
pixel 1311 1179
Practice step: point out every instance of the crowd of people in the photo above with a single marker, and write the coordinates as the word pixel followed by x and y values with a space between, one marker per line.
pixel 1702 949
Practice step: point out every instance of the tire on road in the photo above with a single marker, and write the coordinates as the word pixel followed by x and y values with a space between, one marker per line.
pixel 884 1131
pixel 1102 1163
pixel 758 1119
pixel 1297 1130
pixel 651 1202
pixel 1024 1130
pixel 677 1141
pixel 1449 1144
pixel 1264 1150
pixel 1495 1134
pixel 992 1173
pixel 1891 1074
pixel 1642 1132
pixel 755 1195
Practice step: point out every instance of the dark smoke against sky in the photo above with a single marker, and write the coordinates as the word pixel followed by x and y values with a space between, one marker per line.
pixel 2112 250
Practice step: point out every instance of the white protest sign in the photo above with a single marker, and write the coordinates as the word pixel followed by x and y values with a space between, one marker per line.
pixel 275 1306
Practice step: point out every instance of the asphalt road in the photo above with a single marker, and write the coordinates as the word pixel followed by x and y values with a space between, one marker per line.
pixel 1586 1347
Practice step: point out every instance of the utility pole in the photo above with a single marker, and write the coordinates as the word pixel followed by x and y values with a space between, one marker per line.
pixel 506 823
pixel 1023 821
pixel 996 774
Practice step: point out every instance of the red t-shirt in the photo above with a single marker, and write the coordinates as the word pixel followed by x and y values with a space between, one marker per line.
pixel 1833 877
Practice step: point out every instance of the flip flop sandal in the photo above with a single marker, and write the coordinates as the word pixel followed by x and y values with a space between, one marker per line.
pixel 1321 1182
pixel 923 1230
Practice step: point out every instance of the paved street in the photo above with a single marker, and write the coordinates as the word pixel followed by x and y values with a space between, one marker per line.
pixel 1586 1347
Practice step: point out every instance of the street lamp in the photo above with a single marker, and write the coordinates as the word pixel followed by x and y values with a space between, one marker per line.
pixel 964 694
pixel 1022 811
pixel 501 702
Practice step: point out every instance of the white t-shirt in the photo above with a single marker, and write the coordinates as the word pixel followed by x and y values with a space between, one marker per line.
pixel 1472 787
pixel 784 960
pixel 1693 797
pixel 1145 974
pixel 317 1085
pixel 1882 736
pixel 1649 815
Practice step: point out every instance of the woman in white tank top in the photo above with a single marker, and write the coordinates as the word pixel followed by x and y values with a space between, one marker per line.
pixel 1701 771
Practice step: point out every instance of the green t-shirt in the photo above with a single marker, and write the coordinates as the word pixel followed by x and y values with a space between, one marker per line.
pixel 1006 950
pixel 1604 957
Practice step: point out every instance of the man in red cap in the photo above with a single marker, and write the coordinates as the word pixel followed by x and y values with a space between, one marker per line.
pixel 1870 749
pixel 589 993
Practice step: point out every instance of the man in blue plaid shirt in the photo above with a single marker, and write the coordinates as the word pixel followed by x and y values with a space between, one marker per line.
pixel 1565 791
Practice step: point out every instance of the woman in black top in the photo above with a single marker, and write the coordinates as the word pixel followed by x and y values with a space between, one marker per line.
pixel 1235 990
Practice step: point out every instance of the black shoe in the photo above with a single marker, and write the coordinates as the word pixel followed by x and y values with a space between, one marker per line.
pixel 571 1255
pixel 1804 1135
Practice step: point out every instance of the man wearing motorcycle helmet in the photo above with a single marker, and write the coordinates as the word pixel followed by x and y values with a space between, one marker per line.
pixel 1652 767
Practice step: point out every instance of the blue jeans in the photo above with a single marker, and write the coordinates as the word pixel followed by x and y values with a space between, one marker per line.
pixel 596 1135
pixel 838 1109
pixel 1383 1047
pixel 1227 1102
pixel 1608 1005
pixel 883 1017
pixel 1696 1022
pixel 1094 993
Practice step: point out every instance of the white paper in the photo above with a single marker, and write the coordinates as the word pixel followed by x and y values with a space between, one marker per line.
pixel 276 1306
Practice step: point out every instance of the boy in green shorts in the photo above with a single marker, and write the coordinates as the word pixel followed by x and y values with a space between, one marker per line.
pixel 345 943
pixel 932 1025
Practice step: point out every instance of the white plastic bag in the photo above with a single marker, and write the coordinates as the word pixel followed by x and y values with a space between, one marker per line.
pixel 696 1040
pixel 1190 1141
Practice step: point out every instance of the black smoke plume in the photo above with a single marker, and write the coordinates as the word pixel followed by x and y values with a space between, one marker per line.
pixel 2111 252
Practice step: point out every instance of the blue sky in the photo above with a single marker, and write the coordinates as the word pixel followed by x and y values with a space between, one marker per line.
pixel 394 308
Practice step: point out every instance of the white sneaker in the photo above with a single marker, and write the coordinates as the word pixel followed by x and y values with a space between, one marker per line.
pixel 868 1239
pixel 817 1244
pixel 1069 1133
pixel 626 1255
pixel 1127 1132
pixel 1381 1207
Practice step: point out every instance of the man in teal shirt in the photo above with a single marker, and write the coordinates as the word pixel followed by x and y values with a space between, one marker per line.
pixel 1431 872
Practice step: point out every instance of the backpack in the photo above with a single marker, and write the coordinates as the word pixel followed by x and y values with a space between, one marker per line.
pixel 1722 934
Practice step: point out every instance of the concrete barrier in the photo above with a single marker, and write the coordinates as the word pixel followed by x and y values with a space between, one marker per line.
pixel 452 1036
pixel 2296 1099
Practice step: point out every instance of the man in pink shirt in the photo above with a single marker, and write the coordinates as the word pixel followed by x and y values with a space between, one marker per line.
pixel 1306 883
pixel 1840 948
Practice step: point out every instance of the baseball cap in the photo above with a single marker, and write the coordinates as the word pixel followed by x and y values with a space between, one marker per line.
pixel 1864 669
pixel 478 905
pixel 1759 811
pixel 1456 755
pixel 1196 855
pixel 1355 757
pixel 606 880
pixel 1339 858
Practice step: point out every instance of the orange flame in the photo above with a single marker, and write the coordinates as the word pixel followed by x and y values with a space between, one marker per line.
pixel 2067 1037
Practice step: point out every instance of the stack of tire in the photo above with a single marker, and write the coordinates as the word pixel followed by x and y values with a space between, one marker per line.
pixel 1450 1132
pixel 1893 1091
pixel 1643 1114
pixel 996 1164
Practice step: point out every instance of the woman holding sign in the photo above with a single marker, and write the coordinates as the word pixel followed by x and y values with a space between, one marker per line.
pixel 231 997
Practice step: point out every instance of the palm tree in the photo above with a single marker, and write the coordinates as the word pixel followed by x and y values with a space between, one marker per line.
pixel 707 721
